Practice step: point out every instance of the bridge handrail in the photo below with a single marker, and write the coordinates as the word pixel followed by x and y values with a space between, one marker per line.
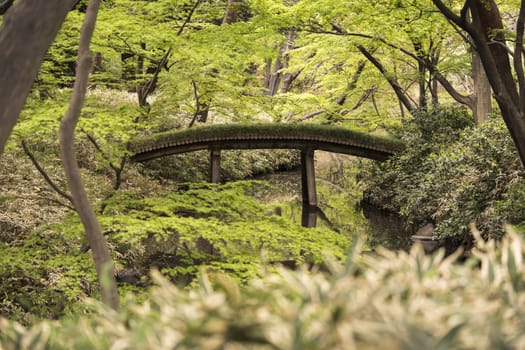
pixel 262 131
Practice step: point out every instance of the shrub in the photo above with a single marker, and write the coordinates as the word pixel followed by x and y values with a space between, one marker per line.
pixel 453 176
pixel 394 300
pixel 180 231
pixel 219 226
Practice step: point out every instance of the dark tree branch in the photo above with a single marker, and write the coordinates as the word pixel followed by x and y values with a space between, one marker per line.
pixel 150 86
pixel 4 5
pixel 463 14
pixel 366 94
pixel 188 17
pixel 458 20
pixel 313 114
pixel 197 103
pixel 467 100
pixel 402 97
pixel 341 31
pixel 117 169
pixel 374 103
pixel 44 174
pixel 353 82
pixel 518 55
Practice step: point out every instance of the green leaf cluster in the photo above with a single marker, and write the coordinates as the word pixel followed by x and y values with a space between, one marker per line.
pixel 45 276
pixel 220 227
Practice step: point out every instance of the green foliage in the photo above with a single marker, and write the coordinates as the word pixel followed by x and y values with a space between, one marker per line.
pixel 44 276
pixel 46 272
pixel 397 300
pixel 207 225
pixel 58 68
pixel 104 113
pixel 452 174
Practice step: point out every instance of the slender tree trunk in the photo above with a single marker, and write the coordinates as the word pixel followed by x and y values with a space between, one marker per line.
pixel 267 73
pixel 231 14
pixel 482 91
pixel 93 231
pixel 27 31
pixel 288 78
pixel 434 83
pixel 421 78
pixel 275 77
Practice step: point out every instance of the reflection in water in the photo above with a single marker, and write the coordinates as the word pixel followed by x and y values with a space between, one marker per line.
pixel 309 215
pixel 351 217
pixel 385 229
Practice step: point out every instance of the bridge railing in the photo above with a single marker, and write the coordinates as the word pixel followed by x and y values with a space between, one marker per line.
pixel 265 135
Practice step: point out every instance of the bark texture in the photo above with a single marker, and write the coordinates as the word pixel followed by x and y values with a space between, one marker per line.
pixel 27 31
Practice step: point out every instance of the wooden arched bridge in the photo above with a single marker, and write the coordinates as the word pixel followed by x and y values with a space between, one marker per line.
pixel 305 137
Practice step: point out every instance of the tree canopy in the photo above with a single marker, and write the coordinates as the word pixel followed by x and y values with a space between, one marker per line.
pixel 153 66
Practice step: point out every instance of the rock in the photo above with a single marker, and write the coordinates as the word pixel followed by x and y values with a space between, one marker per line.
pixel 130 276
pixel 425 237
pixel 427 230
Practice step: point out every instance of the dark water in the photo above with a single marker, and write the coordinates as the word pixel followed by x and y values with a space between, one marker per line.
pixel 351 217
pixel 385 229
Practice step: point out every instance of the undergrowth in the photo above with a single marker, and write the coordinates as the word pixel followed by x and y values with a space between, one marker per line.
pixel 451 174
pixel 182 231
pixel 393 300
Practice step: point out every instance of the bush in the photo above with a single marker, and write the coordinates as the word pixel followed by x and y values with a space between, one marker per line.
pixel 393 300
pixel 220 228
pixel 453 176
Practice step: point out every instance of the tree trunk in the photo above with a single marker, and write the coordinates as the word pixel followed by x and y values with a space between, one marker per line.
pixel 27 31
pixel 482 91
pixel 231 14
pixel 495 58
pixel 275 77
pixel 93 231
pixel 288 78
pixel 487 35
pixel 421 75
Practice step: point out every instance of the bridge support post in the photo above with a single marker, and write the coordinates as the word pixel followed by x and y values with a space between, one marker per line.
pixel 308 188
pixel 309 216
pixel 215 166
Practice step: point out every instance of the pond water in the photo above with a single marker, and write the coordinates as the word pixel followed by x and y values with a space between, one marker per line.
pixel 340 207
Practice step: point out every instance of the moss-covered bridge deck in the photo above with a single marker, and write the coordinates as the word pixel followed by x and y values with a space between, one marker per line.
pixel 305 137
